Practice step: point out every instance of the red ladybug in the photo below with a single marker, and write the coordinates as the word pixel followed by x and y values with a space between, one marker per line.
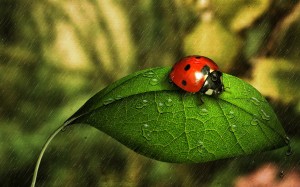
pixel 197 74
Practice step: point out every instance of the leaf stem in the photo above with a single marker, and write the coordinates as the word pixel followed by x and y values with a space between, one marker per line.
pixel 44 149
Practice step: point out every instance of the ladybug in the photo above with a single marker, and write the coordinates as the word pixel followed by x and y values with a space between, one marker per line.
pixel 197 74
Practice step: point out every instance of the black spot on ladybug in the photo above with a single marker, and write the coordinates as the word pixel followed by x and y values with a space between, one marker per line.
pixel 198 57
pixel 183 82
pixel 187 67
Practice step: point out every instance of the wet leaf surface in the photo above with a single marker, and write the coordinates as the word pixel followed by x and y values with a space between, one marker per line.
pixel 150 115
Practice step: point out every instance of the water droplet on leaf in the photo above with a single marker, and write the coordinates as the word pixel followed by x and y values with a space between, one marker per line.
pixel 231 115
pixel 108 101
pixel 264 115
pixel 254 121
pixel 255 101
pixel 154 82
pixel 141 104
pixel 200 146
pixel 287 140
pixel 146 132
pixel 118 97
pixel 203 111
pixel 289 151
pixel 149 74
pixel 169 102
pixel 232 128
pixel 288 143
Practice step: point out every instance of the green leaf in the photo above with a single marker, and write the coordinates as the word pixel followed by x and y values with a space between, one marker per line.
pixel 150 115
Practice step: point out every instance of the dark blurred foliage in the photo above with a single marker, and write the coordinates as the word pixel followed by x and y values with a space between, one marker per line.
pixel 54 55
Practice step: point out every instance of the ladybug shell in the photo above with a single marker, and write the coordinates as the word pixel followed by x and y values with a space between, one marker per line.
pixel 188 75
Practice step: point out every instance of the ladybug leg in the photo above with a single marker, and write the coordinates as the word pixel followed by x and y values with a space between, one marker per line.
pixel 201 102
pixel 185 94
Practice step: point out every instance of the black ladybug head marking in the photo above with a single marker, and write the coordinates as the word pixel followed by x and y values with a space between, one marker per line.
pixel 187 67
pixel 205 70
pixel 215 75
pixel 213 84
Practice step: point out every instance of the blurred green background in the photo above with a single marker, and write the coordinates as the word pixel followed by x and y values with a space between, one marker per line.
pixel 54 55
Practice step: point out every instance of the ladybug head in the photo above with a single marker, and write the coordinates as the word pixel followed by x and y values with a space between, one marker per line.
pixel 213 84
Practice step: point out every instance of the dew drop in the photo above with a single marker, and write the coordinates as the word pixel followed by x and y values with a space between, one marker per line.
pixel 287 140
pixel 289 151
pixel 146 132
pixel 200 146
pixel 264 115
pixel 141 104
pixel 288 143
pixel 160 107
pixel 154 81
pixel 108 101
pixel 149 74
pixel 254 121
pixel 118 97
pixel 232 128
pixel 147 135
pixel 169 102
pixel 203 111
pixel 255 101
pixel 231 115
